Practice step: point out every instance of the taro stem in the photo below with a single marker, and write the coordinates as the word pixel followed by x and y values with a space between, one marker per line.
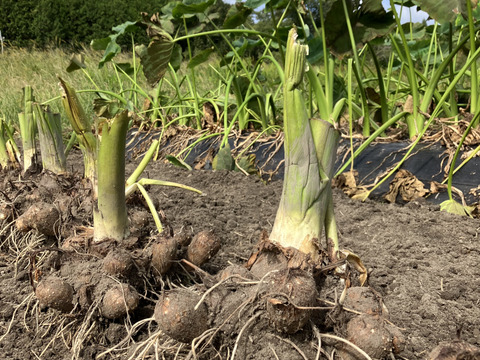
pixel 305 199
pixel 27 129
pixel 49 127
pixel 4 158
pixel 82 127
pixel 110 211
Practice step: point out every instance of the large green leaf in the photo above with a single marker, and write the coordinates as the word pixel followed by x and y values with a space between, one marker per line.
pixel 236 16
pixel 369 20
pixel 109 43
pixel 445 10
pixel 157 55
pixel 191 7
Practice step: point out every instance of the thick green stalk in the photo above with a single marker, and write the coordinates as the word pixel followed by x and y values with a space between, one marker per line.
pixel 303 205
pixel 415 121
pixel 27 129
pixel 4 158
pixel 82 127
pixel 110 211
pixel 49 127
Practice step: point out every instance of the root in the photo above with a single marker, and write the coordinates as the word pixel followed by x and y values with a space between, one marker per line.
pixel 128 337
pixel 10 324
pixel 363 353
pixel 293 345
pixel 247 324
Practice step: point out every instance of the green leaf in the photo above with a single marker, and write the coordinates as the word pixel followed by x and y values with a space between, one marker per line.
pixel 455 207
pixel 126 27
pixel 76 63
pixel 369 21
pixel 178 162
pixel 253 4
pixel 191 7
pixel 224 159
pixel 126 67
pixel 100 44
pixel 177 57
pixel 156 56
pixel 247 164
pixel 446 10
pixel 315 50
pixel 236 16
pixel 111 51
pixel 200 58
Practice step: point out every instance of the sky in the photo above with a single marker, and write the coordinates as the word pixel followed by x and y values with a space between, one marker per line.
pixel 417 16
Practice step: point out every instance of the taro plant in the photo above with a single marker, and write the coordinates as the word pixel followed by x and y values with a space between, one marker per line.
pixel 28 129
pixel 49 127
pixel 104 156
pixel 306 206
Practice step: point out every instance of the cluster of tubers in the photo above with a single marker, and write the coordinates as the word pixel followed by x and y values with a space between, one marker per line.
pixel 120 298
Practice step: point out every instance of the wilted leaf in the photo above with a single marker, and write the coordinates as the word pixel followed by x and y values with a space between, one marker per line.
pixel 76 63
pixel 407 185
pixel 357 263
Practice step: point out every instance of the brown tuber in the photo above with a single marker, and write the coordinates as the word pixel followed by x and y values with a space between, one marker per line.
pixel 176 315
pixel 118 262
pixel 164 252
pixel 292 292
pixel 374 336
pixel 119 301
pixel 42 217
pixel 364 300
pixel 203 247
pixel 55 293
pixel 454 350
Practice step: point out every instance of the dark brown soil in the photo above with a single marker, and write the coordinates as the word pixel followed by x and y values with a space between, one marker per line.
pixel 423 262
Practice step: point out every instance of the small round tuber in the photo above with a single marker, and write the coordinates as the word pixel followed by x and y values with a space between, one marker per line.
pixel 118 301
pixel 164 252
pixel 292 292
pixel 118 262
pixel 40 216
pixel 203 247
pixel 176 315
pixel 374 336
pixel 55 293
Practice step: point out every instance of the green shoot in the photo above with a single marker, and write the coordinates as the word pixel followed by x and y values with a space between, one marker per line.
pixel 49 127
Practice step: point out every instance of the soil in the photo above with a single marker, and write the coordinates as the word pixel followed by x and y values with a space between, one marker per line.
pixel 422 262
